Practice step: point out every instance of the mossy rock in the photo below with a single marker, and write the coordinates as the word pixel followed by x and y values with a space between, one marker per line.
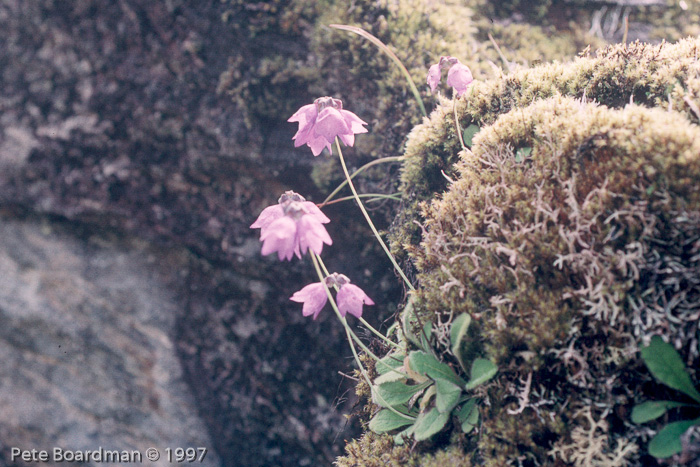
pixel 651 75
pixel 570 233
pixel 564 257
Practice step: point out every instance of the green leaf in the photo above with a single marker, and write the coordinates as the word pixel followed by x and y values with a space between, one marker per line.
pixel 389 377
pixel 425 399
pixel 468 415
pixel 667 442
pixel 666 365
pixel 425 364
pixel 482 371
pixel 427 424
pixel 398 438
pixel 387 368
pixel 469 133
pixel 396 393
pixel 447 395
pixel 426 335
pixel 389 363
pixel 386 420
pixel 458 332
pixel 652 410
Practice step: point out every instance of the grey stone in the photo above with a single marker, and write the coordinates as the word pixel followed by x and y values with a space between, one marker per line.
pixel 87 348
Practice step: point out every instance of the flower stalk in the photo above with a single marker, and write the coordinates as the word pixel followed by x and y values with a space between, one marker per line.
pixel 369 220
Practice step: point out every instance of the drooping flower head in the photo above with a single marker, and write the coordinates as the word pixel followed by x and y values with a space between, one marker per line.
pixel 349 298
pixel 292 227
pixel 324 120
pixel 459 76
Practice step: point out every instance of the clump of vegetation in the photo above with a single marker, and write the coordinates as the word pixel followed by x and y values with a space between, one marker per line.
pixel 569 231
pixel 662 75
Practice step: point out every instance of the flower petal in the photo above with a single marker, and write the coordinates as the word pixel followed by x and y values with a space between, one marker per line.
pixel 350 299
pixel 312 234
pixel 267 216
pixel 305 115
pixel 314 298
pixel 330 123
pixel 281 236
pixel 459 77
pixel 434 76
pixel 314 210
pixel 354 122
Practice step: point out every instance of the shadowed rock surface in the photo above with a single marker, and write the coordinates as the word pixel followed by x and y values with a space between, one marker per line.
pixel 111 121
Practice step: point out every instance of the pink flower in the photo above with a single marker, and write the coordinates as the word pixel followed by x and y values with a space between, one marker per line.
pixel 434 76
pixel 292 227
pixel 350 298
pixel 459 76
pixel 324 120
pixel 314 298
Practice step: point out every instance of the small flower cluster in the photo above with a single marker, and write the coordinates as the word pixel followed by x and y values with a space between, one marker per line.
pixel 349 298
pixel 459 76
pixel 294 226
pixel 324 120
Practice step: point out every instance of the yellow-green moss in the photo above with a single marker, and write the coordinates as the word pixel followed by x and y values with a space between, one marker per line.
pixel 665 75
pixel 376 451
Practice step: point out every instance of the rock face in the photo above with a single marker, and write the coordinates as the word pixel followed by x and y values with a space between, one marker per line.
pixel 111 119
pixel 88 351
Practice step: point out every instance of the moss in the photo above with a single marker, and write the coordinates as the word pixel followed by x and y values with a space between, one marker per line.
pixel 373 450
pixel 566 257
pixel 652 75
pixel 552 251
pixel 376 451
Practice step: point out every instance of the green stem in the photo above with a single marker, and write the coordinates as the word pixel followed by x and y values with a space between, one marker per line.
pixel 369 221
pixel 315 258
pixel 352 337
pixel 378 334
pixel 362 320
pixel 383 47
pixel 357 172
pixel 373 196
pixel 458 129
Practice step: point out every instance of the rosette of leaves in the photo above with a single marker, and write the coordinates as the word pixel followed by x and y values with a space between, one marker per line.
pixel 666 365
pixel 419 394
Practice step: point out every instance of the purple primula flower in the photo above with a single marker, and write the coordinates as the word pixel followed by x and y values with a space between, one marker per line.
pixel 292 227
pixel 350 300
pixel 314 298
pixel 459 76
pixel 322 121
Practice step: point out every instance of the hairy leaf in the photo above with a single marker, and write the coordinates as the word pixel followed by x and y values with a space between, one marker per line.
pixel 447 396
pixel 482 371
pixel 427 424
pixel 666 365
